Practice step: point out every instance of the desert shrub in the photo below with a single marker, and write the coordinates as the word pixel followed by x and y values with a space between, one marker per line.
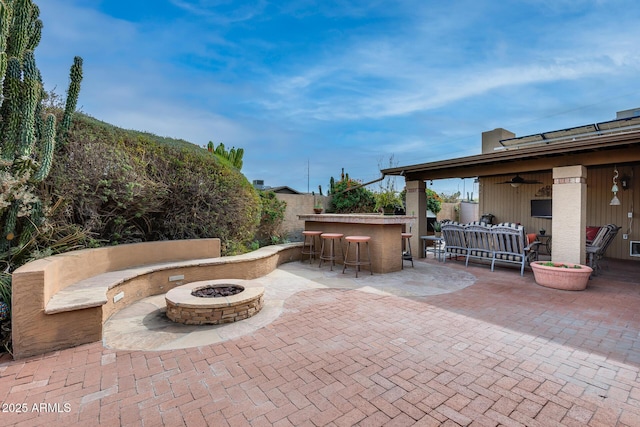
pixel 108 190
pixel 207 199
pixel 126 186
pixel 356 200
pixel 271 218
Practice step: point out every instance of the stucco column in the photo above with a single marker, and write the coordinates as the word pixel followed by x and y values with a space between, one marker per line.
pixel 569 214
pixel 417 206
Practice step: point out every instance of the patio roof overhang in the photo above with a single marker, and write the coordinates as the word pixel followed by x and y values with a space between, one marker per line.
pixel 597 150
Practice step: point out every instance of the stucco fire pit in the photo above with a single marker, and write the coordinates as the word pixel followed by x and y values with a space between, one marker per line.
pixel 184 307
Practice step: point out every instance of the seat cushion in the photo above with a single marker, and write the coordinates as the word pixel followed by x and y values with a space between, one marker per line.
pixel 592 232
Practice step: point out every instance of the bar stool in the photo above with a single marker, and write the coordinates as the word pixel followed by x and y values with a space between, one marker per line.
pixel 357 262
pixel 309 246
pixel 331 256
pixel 406 255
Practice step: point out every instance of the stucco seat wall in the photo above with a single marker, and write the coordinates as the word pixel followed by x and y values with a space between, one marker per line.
pixel 55 309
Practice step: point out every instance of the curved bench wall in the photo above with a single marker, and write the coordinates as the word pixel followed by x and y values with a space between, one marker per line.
pixel 71 267
pixel 45 319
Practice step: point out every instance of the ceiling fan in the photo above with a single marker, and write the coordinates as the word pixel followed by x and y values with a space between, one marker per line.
pixel 517 180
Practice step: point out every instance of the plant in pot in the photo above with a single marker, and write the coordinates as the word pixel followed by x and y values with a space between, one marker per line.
pixel 564 276
pixel 437 228
pixel 317 206
pixel 387 201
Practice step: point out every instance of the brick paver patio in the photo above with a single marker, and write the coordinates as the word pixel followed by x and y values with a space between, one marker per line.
pixel 503 351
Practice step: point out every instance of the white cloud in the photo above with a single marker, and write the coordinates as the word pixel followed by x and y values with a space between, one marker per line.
pixel 223 12
pixel 388 75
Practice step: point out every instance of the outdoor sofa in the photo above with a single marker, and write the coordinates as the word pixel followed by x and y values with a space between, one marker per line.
pixel 504 243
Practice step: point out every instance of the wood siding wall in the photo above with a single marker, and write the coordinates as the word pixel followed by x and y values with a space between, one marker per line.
pixel 599 182
pixel 510 204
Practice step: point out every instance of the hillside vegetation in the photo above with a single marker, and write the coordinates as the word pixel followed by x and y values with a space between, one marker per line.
pixel 125 186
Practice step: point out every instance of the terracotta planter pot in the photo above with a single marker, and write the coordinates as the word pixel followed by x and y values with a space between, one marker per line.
pixel 568 279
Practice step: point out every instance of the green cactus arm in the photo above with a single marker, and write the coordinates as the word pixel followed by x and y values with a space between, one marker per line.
pixel 35 36
pixel 48 139
pixel 239 155
pixel 220 151
pixel 34 30
pixel 40 113
pixel 73 92
pixel 19 35
pixel 10 112
pixel 5 23
pixel 32 92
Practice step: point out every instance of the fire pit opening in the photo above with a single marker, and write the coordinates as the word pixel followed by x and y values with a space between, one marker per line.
pixel 217 291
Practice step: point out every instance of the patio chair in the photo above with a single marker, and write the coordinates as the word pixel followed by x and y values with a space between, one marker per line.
pixel 510 245
pixel 454 241
pixel 478 238
pixel 599 245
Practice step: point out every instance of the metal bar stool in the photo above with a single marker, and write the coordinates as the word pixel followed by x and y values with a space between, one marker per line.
pixel 406 254
pixel 331 256
pixel 309 246
pixel 357 262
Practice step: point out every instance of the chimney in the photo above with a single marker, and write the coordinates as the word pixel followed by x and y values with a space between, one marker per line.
pixel 491 139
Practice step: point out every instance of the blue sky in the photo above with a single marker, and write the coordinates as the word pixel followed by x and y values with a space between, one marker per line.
pixel 346 83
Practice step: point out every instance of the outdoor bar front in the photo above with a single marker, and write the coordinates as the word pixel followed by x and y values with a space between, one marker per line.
pixel 385 232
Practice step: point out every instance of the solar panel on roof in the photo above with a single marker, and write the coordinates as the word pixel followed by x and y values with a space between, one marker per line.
pixel 569 133
pixel 618 124
pixel 563 135
pixel 523 140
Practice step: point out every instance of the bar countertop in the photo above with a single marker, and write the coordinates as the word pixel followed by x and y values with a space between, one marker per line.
pixel 374 219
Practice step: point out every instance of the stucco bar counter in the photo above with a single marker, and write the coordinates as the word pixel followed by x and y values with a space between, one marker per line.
pixel 385 232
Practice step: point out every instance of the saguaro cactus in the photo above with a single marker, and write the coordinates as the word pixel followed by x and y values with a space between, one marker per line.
pixel 27 140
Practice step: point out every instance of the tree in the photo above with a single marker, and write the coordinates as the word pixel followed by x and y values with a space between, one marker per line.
pixel 271 217
pixel 349 197
pixel 434 203
pixel 450 198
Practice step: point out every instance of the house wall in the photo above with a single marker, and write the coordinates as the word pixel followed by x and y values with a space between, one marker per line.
pixel 462 212
pixel 448 211
pixel 599 212
pixel 510 204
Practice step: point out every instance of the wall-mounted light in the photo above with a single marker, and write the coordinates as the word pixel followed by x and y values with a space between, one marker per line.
pixel 624 182
pixel 614 189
